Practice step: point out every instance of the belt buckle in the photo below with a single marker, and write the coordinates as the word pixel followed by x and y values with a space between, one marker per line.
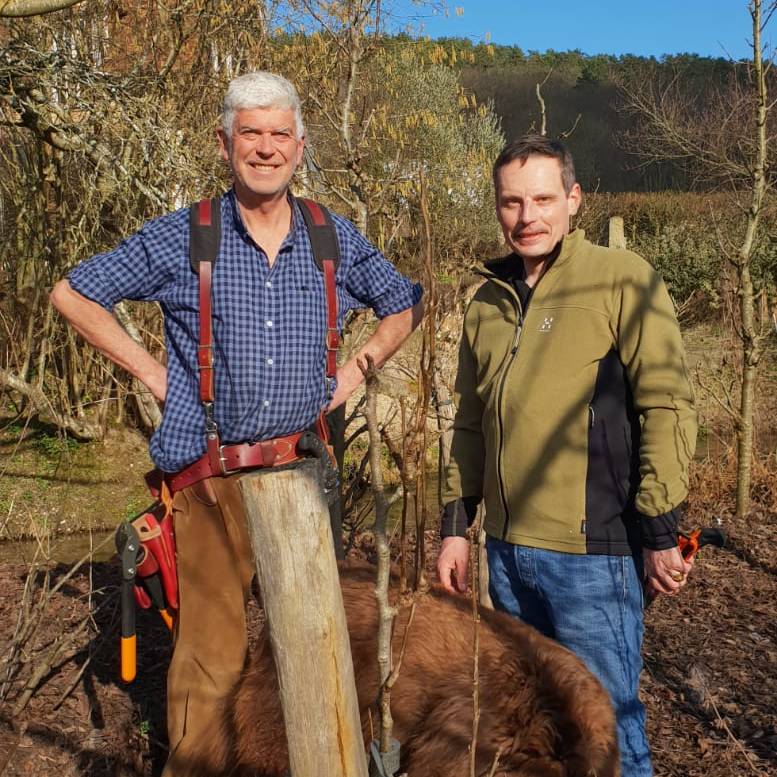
pixel 222 462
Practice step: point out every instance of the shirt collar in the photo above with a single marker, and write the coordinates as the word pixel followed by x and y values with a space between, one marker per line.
pixel 569 245
pixel 297 222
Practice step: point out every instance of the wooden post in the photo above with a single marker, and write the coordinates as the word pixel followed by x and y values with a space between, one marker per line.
pixel 288 522
pixel 617 236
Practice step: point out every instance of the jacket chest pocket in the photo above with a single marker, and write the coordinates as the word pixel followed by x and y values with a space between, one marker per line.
pixel 491 346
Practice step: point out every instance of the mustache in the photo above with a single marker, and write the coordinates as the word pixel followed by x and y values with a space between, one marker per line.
pixel 527 232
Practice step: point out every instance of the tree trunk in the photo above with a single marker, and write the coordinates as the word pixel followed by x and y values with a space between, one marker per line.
pixel 750 359
pixel 24 8
pixel 43 408
pixel 386 612
pixel 336 421
pixel 445 417
pixel 750 334
pixel 288 522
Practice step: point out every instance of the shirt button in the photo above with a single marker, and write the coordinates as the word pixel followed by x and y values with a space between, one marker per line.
pixel 269 361
pixel 268 284
pixel 266 403
pixel 269 323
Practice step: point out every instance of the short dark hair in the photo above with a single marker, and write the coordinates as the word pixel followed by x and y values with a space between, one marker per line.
pixel 539 145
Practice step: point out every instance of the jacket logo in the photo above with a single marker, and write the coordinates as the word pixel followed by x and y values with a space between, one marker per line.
pixel 547 324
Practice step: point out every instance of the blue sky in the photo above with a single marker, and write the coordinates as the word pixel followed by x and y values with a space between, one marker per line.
pixel 719 28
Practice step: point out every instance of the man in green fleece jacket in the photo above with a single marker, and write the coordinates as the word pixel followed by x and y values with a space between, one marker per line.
pixel 575 425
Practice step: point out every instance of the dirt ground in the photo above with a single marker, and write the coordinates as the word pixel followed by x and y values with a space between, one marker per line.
pixel 710 679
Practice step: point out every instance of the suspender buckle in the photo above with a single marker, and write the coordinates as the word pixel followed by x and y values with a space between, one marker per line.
pixel 211 428
pixel 332 339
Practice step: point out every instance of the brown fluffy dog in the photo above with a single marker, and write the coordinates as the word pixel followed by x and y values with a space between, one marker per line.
pixel 540 708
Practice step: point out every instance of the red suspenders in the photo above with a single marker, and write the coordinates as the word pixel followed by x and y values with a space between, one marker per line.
pixel 326 252
pixel 204 241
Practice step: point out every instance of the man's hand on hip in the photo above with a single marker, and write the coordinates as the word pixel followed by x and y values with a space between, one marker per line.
pixel 666 571
pixel 452 563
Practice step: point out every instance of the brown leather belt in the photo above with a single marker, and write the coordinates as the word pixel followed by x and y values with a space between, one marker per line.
pixel 235 458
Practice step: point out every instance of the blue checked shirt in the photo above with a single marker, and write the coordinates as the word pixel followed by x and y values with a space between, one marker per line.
pixel 269 323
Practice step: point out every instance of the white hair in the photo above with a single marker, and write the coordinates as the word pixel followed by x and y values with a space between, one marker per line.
pixel 260 90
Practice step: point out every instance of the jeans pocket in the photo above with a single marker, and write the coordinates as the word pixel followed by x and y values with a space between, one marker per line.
pixel 632 586
pixel 623 560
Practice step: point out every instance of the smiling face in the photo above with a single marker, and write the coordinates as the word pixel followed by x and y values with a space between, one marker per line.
pixel 532 206
pixel 263 151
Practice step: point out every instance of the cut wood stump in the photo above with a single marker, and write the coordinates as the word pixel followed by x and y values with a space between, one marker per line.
pixel 288 523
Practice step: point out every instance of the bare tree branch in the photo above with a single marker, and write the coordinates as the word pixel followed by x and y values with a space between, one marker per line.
pixel 147 406
pixel 42 407
pixel 17 9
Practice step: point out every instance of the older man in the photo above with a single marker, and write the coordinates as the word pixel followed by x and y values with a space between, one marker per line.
pixel 269 313
pixel 575 424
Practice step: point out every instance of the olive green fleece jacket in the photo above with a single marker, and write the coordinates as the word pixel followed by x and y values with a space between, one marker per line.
pixel 526 393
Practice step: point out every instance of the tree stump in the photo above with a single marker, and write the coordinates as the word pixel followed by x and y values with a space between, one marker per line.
pixel 288 523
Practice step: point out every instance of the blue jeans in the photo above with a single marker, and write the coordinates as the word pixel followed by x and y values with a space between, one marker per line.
pixel 591 605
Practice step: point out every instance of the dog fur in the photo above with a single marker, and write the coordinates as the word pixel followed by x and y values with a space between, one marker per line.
pixel 540 708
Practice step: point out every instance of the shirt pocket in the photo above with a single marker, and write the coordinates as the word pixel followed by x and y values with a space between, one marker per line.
pixel 304 343
pixel 308 302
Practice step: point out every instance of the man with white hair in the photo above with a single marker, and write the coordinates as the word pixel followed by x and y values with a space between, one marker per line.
pixel 270 341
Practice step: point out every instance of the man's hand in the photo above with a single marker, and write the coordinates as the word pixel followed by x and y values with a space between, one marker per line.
pixel 666 571
pixel 452 564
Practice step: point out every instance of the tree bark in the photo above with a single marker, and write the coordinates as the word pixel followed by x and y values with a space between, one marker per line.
pixel 288 522
pixel 386 612
pixel 23 8
pixel 80 428
pixel 446 413
pixel 750 335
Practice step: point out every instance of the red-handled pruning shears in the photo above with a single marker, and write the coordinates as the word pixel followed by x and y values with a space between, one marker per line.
pixel 690 543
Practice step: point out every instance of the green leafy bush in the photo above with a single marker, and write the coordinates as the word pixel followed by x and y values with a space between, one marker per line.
pixel 685 237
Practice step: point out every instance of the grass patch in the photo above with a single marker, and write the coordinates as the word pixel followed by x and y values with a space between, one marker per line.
pixel 52 484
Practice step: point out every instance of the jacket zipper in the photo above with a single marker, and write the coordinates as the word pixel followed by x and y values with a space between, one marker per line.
pixel 503 380
pixel 499 398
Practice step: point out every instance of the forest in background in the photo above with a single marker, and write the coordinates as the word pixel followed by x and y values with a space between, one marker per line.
pixel 582 92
